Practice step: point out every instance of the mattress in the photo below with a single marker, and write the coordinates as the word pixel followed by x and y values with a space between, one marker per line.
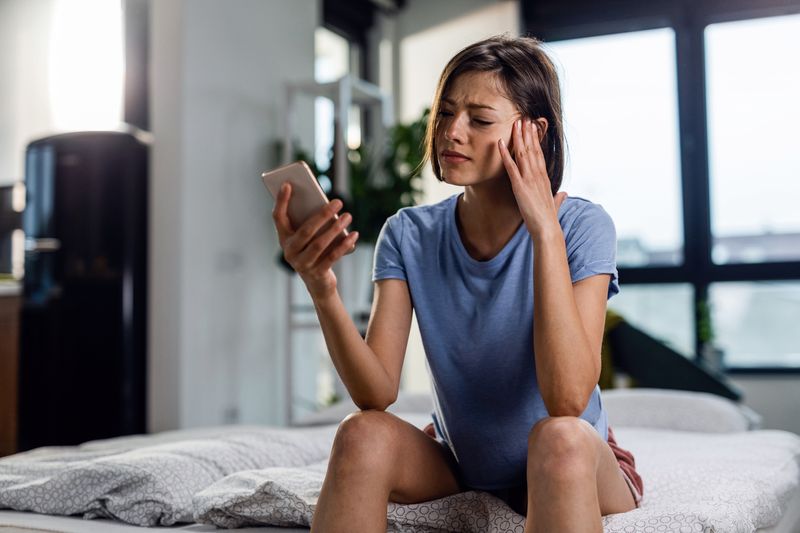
pixel 19 522
pixel 728 479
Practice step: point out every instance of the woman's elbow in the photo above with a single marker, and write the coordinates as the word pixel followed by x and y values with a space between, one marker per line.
pixel 566 407
pixel 375 404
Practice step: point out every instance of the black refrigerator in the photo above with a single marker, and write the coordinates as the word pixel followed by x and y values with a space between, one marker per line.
pixel 83 335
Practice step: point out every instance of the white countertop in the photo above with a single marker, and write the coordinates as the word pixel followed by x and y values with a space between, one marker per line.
pixel 10 288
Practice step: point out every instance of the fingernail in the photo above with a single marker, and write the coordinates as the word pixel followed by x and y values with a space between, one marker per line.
pixel 336 204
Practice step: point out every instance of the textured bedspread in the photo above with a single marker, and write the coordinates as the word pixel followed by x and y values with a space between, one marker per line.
pixel 735 482
pixel 232 477
pixel 149 480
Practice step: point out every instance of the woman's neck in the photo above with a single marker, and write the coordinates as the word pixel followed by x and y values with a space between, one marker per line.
pixel 488 217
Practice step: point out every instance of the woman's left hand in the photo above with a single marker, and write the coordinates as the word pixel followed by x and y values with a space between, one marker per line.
pixel 527 171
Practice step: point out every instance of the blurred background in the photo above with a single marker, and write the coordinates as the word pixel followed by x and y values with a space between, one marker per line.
pixel 141 287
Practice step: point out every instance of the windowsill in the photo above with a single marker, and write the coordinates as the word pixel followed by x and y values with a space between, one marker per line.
pixel 762 370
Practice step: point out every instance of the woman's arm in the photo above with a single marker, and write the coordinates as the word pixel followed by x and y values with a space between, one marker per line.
pixel 369 369
pixel 567 319
pixel 568 325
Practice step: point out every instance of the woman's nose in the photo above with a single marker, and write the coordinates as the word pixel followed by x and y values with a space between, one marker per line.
pixel 454 131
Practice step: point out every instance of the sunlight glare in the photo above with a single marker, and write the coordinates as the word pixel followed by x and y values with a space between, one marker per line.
pixel 86 64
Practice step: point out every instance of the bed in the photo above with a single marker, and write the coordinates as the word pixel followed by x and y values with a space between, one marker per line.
pixel 705 463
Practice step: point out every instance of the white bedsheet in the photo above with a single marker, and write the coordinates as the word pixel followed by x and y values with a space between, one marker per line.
pixel 723 482
pixel 734 482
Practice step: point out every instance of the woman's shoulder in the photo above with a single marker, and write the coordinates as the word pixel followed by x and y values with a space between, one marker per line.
pixel 576 209
pixel 425 216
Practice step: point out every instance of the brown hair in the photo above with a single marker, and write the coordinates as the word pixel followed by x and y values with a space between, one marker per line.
pixel 530 81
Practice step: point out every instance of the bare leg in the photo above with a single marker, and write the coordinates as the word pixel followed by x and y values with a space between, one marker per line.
pixel 573 478
pixel 376 458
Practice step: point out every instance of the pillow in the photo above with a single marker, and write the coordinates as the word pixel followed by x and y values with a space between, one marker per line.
pixel 677 410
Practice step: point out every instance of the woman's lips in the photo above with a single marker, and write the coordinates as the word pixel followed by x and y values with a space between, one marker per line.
pixel 454 158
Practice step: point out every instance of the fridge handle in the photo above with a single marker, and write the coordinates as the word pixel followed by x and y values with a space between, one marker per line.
pixel 42 245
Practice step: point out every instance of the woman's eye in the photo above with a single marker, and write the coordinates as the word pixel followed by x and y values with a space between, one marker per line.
pixel 445 113
pixel 482 122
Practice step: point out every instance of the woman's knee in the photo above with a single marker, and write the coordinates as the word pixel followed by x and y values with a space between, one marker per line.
pixel 365 438
pixel 561 447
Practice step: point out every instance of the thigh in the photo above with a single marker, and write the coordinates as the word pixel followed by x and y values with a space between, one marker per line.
pixel 427 469
pixel 613 493
pixel 420 468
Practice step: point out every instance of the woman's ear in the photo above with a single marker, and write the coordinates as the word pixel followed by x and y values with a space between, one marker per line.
pixel 541 126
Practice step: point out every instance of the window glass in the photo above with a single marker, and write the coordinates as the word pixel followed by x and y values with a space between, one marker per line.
pixel 663 311
pixel 332 62
pixel 753 138
pixel 621 122
pixel 755 323
pixel 86 80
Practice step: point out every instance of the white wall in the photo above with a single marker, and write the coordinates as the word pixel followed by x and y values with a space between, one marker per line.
pixel 776 398
pixel 217 296
pixel 24 99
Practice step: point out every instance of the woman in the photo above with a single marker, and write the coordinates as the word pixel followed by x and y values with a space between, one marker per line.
pixel 509 281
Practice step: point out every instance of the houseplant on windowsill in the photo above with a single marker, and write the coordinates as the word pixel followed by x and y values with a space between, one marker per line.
pixel 711 355
pixel 374 197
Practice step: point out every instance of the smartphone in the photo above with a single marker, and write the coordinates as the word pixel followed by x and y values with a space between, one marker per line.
pixel 307 196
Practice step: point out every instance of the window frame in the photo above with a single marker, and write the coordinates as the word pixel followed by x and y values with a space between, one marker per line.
pixel 557 20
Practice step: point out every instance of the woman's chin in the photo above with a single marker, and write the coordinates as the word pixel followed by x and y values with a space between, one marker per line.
pixel 455 178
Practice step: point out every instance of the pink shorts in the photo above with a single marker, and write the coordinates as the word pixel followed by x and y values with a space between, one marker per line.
pixel 628 466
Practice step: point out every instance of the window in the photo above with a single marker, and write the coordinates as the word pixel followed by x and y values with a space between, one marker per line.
pixel 718 78
pixel 335 57
pixel 755 323
pixel 661 310
pixel 754 161
pixel 621 124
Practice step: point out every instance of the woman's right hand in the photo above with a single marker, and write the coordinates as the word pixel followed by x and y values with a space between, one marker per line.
pixel 309 251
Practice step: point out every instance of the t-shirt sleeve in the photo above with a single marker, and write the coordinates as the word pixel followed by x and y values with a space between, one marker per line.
pixel 388 260
pixel 592 247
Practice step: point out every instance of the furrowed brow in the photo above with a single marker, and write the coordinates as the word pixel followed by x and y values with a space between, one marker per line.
pixel 470 105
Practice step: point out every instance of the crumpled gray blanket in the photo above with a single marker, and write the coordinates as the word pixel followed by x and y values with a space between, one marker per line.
pixel 149 480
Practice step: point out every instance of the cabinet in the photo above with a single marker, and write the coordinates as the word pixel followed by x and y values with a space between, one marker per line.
pixel 10 302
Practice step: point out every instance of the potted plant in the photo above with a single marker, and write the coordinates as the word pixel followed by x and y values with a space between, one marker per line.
pixel 710 354
pixel 374 197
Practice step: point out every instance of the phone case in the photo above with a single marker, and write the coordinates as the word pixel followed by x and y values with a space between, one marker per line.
pixel 307 195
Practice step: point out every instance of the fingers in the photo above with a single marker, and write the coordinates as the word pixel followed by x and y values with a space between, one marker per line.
pixel 306 232
pixel 559 199
pixel 508 162
pixel 521 149
pixel 318 246
pixel 535 146
pixel 347 245
pixel 280 213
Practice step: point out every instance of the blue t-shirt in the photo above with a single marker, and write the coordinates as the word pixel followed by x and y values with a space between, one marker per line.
pixel 476 322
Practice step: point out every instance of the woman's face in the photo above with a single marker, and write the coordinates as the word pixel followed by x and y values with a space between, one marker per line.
pixel 473 115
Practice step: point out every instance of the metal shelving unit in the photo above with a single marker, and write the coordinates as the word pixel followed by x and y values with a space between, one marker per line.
pixel 344 93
